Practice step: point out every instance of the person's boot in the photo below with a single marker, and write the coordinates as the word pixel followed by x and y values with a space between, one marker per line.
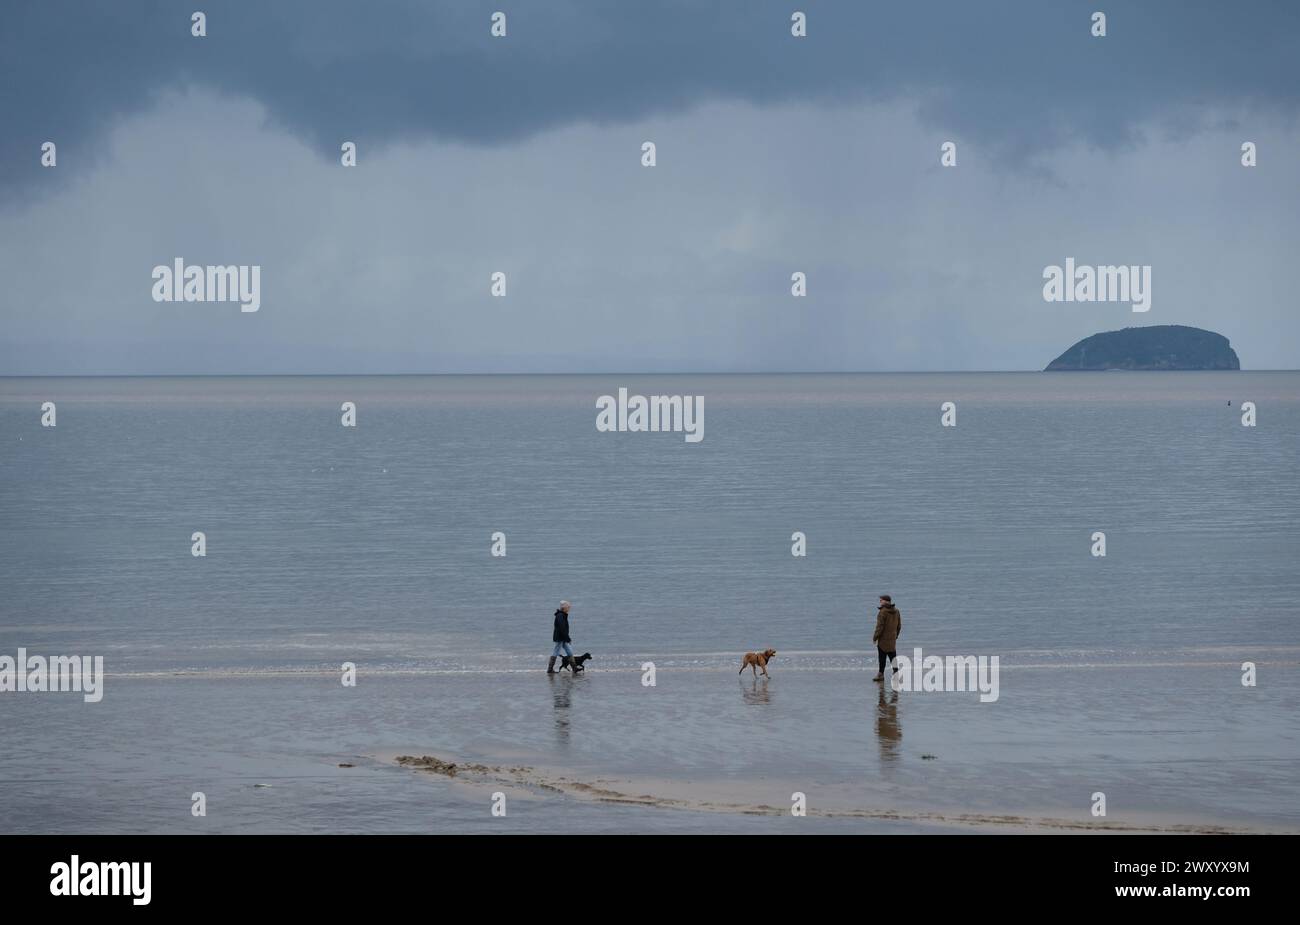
pixel 550 666
pixel 879 677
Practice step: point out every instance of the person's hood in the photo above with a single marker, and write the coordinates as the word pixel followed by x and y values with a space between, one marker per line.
pixel 888 607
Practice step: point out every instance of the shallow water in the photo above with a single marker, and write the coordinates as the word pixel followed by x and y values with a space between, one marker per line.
pixel 371 545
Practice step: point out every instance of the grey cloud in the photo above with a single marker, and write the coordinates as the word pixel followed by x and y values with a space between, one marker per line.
pixel 1016 77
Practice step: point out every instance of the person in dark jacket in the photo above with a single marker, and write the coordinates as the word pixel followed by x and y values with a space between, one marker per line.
pixel 560 636
pixel 889 623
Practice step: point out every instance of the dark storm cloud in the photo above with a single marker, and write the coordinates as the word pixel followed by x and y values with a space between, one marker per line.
pixel 1018 77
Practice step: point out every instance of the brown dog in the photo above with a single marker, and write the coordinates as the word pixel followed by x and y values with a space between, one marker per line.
pixel 756 660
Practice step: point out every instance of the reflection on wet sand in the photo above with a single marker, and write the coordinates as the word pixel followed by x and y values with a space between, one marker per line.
pixel 755 690
pixel 889 731
pixel 562 698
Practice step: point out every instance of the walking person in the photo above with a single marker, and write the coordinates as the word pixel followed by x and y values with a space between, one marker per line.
pixel 560 636
pixel 889 623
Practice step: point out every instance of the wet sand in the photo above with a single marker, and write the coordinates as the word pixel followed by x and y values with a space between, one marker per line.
pixel 1180 747
pixel 1176 748
pixel 748 799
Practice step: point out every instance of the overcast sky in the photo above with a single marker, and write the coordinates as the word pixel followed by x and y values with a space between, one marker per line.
pixel 522 154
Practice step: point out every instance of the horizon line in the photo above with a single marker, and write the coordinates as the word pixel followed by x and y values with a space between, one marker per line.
pixel 864 372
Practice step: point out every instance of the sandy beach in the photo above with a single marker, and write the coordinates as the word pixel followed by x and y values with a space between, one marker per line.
pixel 751 798
pixel 702 751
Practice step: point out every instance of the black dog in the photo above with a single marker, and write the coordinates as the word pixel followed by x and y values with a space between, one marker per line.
pixel 574 664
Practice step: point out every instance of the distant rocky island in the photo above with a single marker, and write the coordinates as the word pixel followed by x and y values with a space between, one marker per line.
pixel 1161 346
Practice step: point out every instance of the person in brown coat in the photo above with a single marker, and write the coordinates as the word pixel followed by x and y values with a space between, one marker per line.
pixel 889 623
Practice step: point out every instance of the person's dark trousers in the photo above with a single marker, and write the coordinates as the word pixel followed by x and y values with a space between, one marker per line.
pixel 885 656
